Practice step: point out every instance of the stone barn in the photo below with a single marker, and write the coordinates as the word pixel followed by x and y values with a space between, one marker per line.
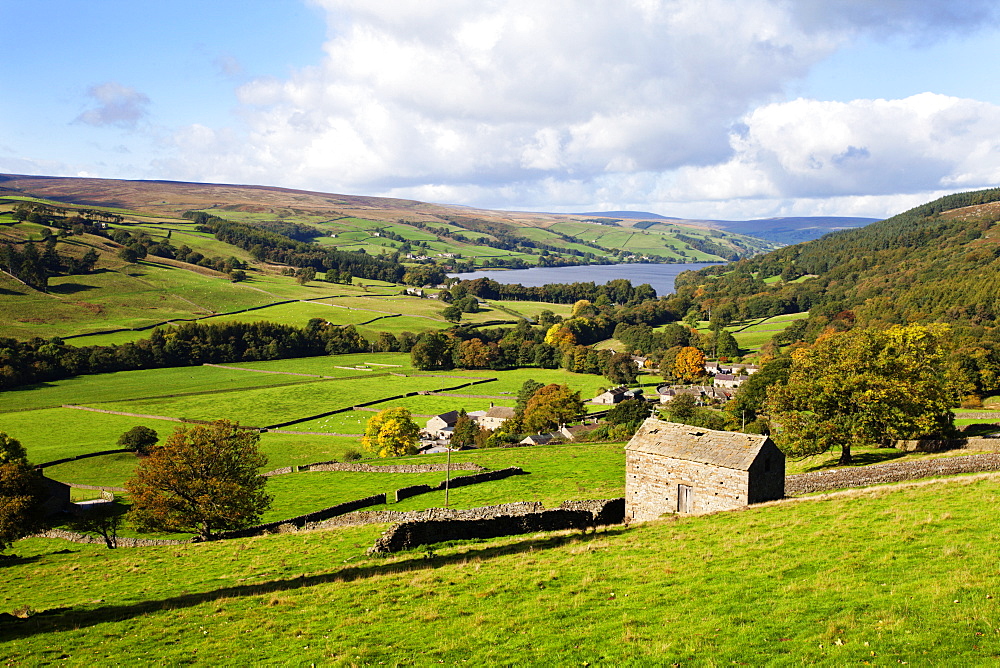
pixel 675 468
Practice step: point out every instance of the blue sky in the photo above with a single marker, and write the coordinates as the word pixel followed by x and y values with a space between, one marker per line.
pixel 701 108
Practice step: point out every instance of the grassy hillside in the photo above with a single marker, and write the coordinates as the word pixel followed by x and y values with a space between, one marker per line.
pixel 937 262
pixel 115 293
pixel 898 575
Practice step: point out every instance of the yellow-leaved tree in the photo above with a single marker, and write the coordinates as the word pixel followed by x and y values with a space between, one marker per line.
pixel 689 363
pixel 390 433
pixel 865 387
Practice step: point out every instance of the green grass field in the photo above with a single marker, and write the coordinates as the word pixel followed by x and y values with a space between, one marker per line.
pixel 904 575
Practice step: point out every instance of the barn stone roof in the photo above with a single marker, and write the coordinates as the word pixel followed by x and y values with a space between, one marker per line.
pixel 729 449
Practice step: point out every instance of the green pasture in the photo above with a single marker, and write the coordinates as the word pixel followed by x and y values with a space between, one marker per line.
pixel 270 405
pixel 327 364
pixel 54 433
pixel 894 576
pixel 131 385
pixel 108 470
pixel 300 493
pixel 555 473
pixel 534 309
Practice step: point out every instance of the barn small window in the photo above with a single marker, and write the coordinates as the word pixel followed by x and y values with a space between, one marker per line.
pixel 767 464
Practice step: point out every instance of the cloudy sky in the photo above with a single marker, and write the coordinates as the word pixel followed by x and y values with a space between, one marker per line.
pixel 702 108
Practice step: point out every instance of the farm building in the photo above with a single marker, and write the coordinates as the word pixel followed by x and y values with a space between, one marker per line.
pixel 612 396
pixel 676 468
pixel 729 380
pixel 441 426
pixel 495 417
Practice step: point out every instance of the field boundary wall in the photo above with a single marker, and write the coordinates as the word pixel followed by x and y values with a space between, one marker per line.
pixel 370 468
pixel 99 453
pixel 875 474
pixel 578 515
pixel 395 397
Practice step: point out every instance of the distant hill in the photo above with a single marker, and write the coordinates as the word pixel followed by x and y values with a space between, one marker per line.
pixel 781 230
pixel 939 262
pixel 461 237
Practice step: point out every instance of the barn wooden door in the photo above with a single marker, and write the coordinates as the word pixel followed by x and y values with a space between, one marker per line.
pixel 683 499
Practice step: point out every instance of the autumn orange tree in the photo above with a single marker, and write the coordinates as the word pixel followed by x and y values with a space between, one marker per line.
pixel 391 432
pixel 689 363
pixel 201 480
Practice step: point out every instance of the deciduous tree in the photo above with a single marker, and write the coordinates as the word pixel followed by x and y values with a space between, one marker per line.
pixel 552 406
pixel 689 364
pixel 202 479
pixel 139 439
pixel 391 432
pixel 622 369
pixel 21 493
pixel 865 387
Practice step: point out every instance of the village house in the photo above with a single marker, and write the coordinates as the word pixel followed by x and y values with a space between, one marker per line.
pixel 495 417
pixel 441 426
pixel 536 439
pixel 703 394
pixel 676 468
pixel 729 380
pixel 612 396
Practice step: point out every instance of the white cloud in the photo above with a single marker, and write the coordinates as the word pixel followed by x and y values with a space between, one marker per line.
pixel 807 148
pixel 117 105
pixel 566 103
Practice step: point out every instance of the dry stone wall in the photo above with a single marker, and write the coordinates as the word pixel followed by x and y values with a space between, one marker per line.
pixel 578 515
pixel 942 445
pixel 302 520
pixel 823 481
pixel 365 517
pixel 368 468
pixel 122 542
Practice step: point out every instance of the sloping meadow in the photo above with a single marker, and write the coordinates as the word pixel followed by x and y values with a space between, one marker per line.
pixel 879 577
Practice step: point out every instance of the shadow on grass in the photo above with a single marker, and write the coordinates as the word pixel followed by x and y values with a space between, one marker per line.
pixel 422 558
pixel 860 459
pixel 70 288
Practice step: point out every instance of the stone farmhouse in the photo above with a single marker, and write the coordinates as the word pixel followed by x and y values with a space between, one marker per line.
pixel 715 368
pixel 616 395
pixel 441 426
pixel 703 394
pixel 729 380
pixel 495 417
pixel 675 468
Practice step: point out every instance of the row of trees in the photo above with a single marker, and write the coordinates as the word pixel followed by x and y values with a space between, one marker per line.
pixel 271 246
pixel 38 360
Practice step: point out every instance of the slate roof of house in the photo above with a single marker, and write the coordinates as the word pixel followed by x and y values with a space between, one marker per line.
pixel 729 449
pixel 450 418
pixel 500 412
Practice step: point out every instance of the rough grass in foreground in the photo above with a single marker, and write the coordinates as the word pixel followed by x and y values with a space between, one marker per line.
pixel 896 575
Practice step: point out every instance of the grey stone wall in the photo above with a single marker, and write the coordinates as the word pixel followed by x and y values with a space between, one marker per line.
pixel 412 490
pixel 302 520
pixel 822 481
pixel 390 516
pixel 370 468
pixel 122 542
pixel 941 445
pixel 575 515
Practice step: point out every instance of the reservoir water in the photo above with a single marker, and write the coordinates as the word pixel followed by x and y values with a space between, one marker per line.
pixel 659 276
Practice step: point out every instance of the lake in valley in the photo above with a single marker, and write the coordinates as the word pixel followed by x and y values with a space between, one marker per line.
pixel 659 276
